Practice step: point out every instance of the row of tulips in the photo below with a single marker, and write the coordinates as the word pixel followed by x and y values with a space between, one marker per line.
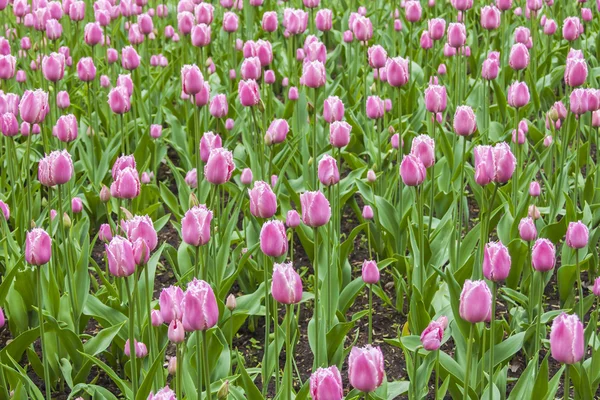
pixel 208 144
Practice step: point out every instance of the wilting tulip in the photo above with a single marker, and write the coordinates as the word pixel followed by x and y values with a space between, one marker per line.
pixel 577 235
pixel 55 169
pixel 333 109
pixel 286 286
pixel 33 106
pixel 263 202
pixel 119 253
pixel 273 239
pixel 527 229
pixel 496 261
pixel 412 170
pixel 567 344
pixel 328 171
pixel 435 98
pixel 277 132
pixel 219 166
pixel 397 71
pixel 465 123
pixel 38 247
pixel 543 256
pixel 475 301
pixel 366 368
pixel 315 209
pixel 200 309
pixel 432 336
pixel 370 272
pixel 326 384
pixel 375 107
pixel 519 57
pixel 423 147
pixel 518 95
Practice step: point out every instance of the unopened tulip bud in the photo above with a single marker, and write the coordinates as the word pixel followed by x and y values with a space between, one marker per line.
pixel 231 302
pixel 223 392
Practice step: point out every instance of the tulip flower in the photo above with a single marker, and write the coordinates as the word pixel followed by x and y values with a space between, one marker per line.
pixel 119 253
pixel 126 185
pixel 119 100
pixel 292 219
pixel 366 368
pixel 328 171
pixel 195 225
pixel 315 209
pixel 423 147
pixel 86 70
pixel 527 229
pixel 518 95
pixel 263 202
pixel 5 210
pixel 397 71
pixel 286 286
pixel 140 348
pixel 313 74
pixel 200 309
pixel 567 344
pixel 192 80
pixel 53 67
pixel 577 235
pixel 362 28
pixel 38 247
pixel 165 393
pixel 273 239
pixel 333 109
pixel 269 21
pixel 326 384
pixel 475 301
pixel 66 128
pixel 504 162
pixel 431 337
pixel 496 261
pixel 219 166
pixel 412 170
pixel 436 28
pixel 519 57
pixel 457 35
pixel 543 257
pixel 465 123
pixel 277 132
pixel 575 72
pixel 323 20
pixel 33 106
pixel 209 142
pixel 55 169
pixel 141 227
pixel 572 28
pixel 490 17
pixel 218 106
pixel 339 134
pixel 176 333
pixel 248 93
pixel 435 98
pixel 130 59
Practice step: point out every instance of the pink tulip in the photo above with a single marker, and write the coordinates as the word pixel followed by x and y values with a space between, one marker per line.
pixel 263 202
pixel 490 67
pixel 119 253
pixel 436 28
pixel 93 34
pixel 504 162
pixel 273 239
pixel 264 52
pixel 203 96
pixel 170 301
pixel 200 309
pixel 219 166
pixel 367 212
pixel 66 128
pixel 5 210
pixel 596 288
pixel 121 163
pixel 33 107
pixel 53 67
pixel 195 225
pixel 577 235
pixel 9 126
pixel 435 98
pixel 295 21
pixel 141 228
pixel 567 344
pixel 465 123
pixel 362 28
pixel 366 368
pixel 572 28
pixel 534 189
pixel 339 134
pixel 292 219
pixel 578 101
pixel 518 94
pixel 277 132
pixel 192 80
pixel 326 384
pixel 130 59
pixel 550 27
pixel 423 147
pixel 323 20
pixel 370 272
pixel 457 34
pixel 527 229
pixel 204 13
pixel 286 286
pixel 412 10
pixel 248 93
pixel 176 333
pixel 165 393
pixel 333 109
pixel 426 42
pixel 55 169
pixel 119 100
pixel 313 74
pixel 269 21
pixel 375 107
pixel 543 256
pixel 519 57
pixel 475 301
pixel 496 261
pixel 201 35
pixel 38 247
pixel 432 336
pixel 328 171
pixel 396 70
pixel 315 209
pixel 412 170
pixel 218 106
pixel 490 17
pixel 126 185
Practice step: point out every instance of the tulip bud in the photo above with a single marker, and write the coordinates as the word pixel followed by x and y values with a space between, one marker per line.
pixel 475 301
pixel 231 302
pixel 527 229
pixel 223 392
pixel 567 344
pixel 176 333
pixel 292 219
pixel 286 286
pixel 543 257
pixel 38 247
pixel 315 209
pixel 370 272
pixel 496 261
pixel 326 384
pixel 366 368
pixel 273 239
pixel 577 235
pixel 172 366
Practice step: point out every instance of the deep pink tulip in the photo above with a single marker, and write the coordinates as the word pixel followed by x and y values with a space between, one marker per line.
pixel 339 134
pixel 527 229
pixel 286 286
pixel 126 185
pixel 567 344
pixel 328 171
pixel 326 384
pixel 504 162
pixel 475 301
pixel 55 169
pixel 315 209
pixel 465 123
pixel 38 247
pixel 219 166
pixel 33 106
pixel 577 235
pixel 412 170
pixel 543 255
pixel 370 272
pixel 192 80
pixel 366 368
pixel 86 70
pixel 119 253
pixel 423 147
pixel 200 309
pixel 66 128
pixel 93 34
pixel 273 239
pixel 263 202
pixel 496 261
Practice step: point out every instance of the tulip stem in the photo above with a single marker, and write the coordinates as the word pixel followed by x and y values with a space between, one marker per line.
pixel 369 239
pixel 539 319
pixel 317 304
pixel 132 355
pixel 288 350
pixel 468 369
pixel 414 376
pixel 437 374
pixel 460 195
pixel 432 187
pixel 314 142
pixel 579 284
pixel 72 295
pixel 265 372
pixel 48 388
pixel 370 313
pixel 205 362
pixel 567 385
pixel 149 291
pixel 577 166
pixel 420 211
pixel 492 341
pixel 276 332
pixel 178 372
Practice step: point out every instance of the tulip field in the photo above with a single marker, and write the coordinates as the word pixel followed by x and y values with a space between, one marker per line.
pixel 300 199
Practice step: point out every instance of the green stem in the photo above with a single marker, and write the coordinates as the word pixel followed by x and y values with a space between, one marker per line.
pixel 288 351
pixel 567 385
pixel 370 313
pixel 205 365
pixel 276 330
pixel 66 248
pixel 431 188
pixel 539 319
pixel 581 315
pixel 459 211
pixel 132 356
pixel 492 341
pixel 468 369
pixel 178 373
pixel 48 387
pixel 317 304
pixel 437 375
pixel 414 377
pixel 266 376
